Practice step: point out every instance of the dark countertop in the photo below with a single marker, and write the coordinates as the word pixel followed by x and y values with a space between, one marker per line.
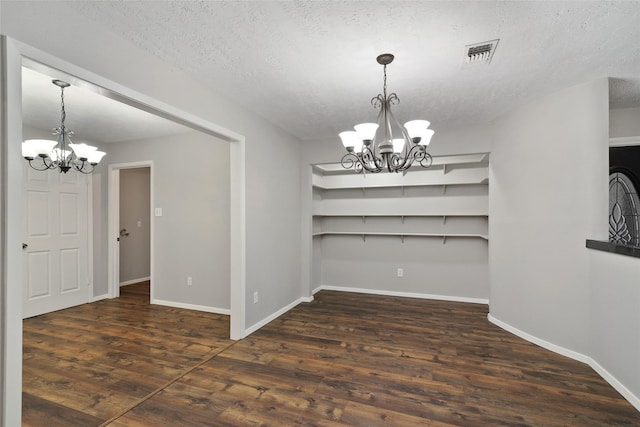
pixel 605 246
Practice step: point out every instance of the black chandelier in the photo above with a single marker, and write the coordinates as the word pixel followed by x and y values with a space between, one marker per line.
pixel 44 154
pixel 372 146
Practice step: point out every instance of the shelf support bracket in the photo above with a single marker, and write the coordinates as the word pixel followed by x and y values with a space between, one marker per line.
pixel 444 240
pixel 402 238
pixel 364 238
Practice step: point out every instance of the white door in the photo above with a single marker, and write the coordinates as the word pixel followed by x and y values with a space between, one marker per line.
pixel 56 273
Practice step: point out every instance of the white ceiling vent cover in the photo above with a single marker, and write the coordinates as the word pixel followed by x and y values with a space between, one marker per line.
pixel 480 52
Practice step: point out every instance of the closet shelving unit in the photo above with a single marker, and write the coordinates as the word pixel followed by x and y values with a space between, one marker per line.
pixel 448 200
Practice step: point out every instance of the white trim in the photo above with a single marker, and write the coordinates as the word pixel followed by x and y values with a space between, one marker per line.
pixel 12 216
pixel 624 141
pixel 113 221
pixel 90 238
pixel 99 298
pixel 542 343
pixel 134 281
pixel 277 314
pixel 113 185
pixel 620 388
pixel 401 294
pixel 237 244
pixel 195 307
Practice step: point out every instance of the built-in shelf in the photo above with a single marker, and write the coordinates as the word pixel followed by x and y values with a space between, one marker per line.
pixel 404 205
pixel 444 236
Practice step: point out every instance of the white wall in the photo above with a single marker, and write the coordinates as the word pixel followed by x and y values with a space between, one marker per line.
pixel 548 194
pixel 135 246
pixel 191 238
pixel 624 122
pixel 272 194
pixel 614 318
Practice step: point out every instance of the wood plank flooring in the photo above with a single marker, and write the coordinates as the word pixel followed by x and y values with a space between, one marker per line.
pixel 344 360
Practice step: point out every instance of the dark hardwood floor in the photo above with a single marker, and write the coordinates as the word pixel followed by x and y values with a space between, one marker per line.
pixel 344 360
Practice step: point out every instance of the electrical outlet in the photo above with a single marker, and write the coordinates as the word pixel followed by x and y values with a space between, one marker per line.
pixel 189 281
pixel 401 272
pixel 255 297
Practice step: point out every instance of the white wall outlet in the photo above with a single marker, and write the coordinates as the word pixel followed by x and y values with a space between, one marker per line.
pixel 189 281
pixel 255 297
pixel 158 211
pixel 401 272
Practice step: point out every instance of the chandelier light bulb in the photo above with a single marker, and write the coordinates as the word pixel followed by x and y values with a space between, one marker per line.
pixel 82 151
pixel 41 147
pixel 366 131
pixel 350 139
pixel 398 145
pixel 416 128
pixel 426 137
pixel 95 157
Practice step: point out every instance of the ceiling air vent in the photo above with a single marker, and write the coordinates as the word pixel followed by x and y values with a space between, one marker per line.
pixel 480 52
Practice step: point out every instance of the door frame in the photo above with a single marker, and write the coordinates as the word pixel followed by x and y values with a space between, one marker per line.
pixel 13 52
pixel 113 218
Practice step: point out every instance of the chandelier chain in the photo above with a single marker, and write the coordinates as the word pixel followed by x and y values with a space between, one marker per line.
pixel 384 88
pixel 64 113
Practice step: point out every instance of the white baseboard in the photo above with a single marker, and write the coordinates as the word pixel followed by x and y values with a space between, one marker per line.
pixel 99 297
pixel 542 343
pixel 132 281
pixel 275 315
pixel 195 307
pixel 401 294
pixel 620 388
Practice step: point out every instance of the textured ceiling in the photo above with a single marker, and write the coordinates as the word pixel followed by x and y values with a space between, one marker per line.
pixel 310 66
pixel 92 117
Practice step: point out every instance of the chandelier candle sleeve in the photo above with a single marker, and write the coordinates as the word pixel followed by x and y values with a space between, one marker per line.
pixel 386 145
pixel 61 154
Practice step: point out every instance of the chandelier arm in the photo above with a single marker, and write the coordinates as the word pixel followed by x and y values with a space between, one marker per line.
pixel 349 160
pixel 79 166
pixel 370 162
pixel 46 166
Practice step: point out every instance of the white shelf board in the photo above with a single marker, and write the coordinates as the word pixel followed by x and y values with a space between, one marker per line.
pixel 436 206
pixel 457 159
pixel 375 233
pixel 624 141
pixel 464 215
pixel 426 177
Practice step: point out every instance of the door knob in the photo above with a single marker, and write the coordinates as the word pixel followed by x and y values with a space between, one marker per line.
pixel 24 246
pixel 124 232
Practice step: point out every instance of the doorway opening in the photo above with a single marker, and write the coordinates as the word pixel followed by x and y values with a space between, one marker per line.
pixel 131 219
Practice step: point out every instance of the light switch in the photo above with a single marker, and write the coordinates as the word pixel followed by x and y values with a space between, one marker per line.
pixel 158 211
pixel 139 223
